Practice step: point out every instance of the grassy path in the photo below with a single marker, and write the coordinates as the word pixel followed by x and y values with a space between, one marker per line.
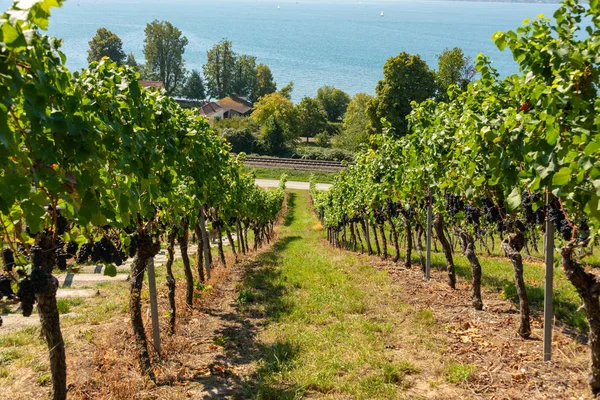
pixel 335 328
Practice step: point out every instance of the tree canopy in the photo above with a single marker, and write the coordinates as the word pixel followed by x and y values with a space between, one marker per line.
pixel 219 69
pixel 454 68
pixel 106 44
pixel 193 88
pixel 275 105
pixel 356 126
pixel 312 118
pixel 406 78
pixel 334 102
pixel 286 91
pixel 265 84
pixel 163 49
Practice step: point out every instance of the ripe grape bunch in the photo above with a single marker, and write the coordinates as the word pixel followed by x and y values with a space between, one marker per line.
pixel 8 258
pixel 391 208
pixel 104 250
pixel 28 288
pixel 454 204
pixel 5 287
pixel 72 248
pixel 559 219
pixel 61 259
pixel 472 214
pixel 84 253
pixel 532 217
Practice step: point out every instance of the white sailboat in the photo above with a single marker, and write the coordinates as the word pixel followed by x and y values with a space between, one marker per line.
pixel 382 13
pixel 278 7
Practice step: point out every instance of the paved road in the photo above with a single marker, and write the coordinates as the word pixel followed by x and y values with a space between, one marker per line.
pixel 270 183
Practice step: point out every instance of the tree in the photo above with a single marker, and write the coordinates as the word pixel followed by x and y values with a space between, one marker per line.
pixel 275 105
pixel 356 126
pixel 453 69
pixel 163 49
pixel 312 118
pixel 273 136
pixel 106 44
pixel 286 91
pixel 193 88
pixel 219 69
pixel 131 61
pixel 334 101
pixel 406 78
pixel 264 82
pixel 245 77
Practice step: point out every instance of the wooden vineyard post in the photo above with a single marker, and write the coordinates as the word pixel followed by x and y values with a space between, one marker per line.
pixel 428 240
pixel 153 305
pixel 548 289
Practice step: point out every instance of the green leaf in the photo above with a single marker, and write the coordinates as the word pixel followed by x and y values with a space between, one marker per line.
pixel 110 270
pixel 562 177
pixel 514 199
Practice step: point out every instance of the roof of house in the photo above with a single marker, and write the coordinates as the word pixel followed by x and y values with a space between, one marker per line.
pixel 152 84
pixel 235 103
pixel 210 108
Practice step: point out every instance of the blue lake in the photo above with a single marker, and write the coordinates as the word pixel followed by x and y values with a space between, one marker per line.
pixel 339 43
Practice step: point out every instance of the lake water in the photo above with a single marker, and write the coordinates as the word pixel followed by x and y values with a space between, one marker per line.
pixel 339 43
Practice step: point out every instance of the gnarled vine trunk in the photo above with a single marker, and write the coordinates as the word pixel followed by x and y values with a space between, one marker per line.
pixel 407 260
pixel 376 240
pixel 512 246
pixel 468 247
pixel 199 253
pixel 365 229
pixel 240 238
pixel 171 281
pixel 438 225
pixel 394 239
pixel 588 288
pixel 383 241
pixel 187 269
pixel 50 326
pixel 231 243
pixel 146 250
pixel 205 245
pixel 220 243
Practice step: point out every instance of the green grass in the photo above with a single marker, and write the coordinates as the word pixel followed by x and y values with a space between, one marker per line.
pixel 329 318
pixel 64 305
pixel 293 174
pixel 459 373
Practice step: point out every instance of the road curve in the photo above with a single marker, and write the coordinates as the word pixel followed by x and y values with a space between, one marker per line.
pixel 272 183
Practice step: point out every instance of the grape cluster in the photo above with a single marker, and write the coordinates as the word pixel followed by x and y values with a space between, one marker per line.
pixel 454 204
pixel 28 288
pixel 61 259
pixel 536 217
pixel 8 258
pixel 391 208
pixel 27 297
pixel 72 248
pixel 472 214
pixel 5 287
pixel 85 251
pixel 492 214
pixel 36 255
pixel 558 218
pixel 105 251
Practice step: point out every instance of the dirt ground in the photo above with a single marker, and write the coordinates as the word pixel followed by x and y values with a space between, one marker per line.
pixel 507 366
